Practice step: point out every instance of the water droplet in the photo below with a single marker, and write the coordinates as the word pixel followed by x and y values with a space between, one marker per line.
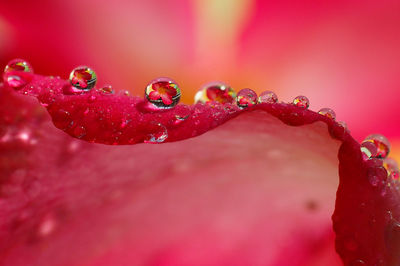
pixel 301 101
pixel 159 134
pixel 382 144
pixel 17 73
pixel 163 93
pixel 92 98
pixel 215 92
pixel 107 90
pixel 246 98
pixel 181 114
pixel 79 132
pixel 83 78
pixel 267 97
pixel 392 168
pixel 62 119
pixel 368 150
pixel 328 113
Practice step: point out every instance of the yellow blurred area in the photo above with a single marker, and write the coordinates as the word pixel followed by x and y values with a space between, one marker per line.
pixel 395 152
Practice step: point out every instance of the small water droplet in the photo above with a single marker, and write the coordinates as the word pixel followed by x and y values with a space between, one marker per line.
pixel 62 119
pixel 159 134
pixel 92 98
pixel 246 98
pixel 79 132
pixel 17 73
pixel 368 150
pixel 328 112
pixel 267 97
pixel 163 93
pixel 382 144
pixel 83 78
pixel 181 114
pixel 392 168
pixel 107 90
pixel 215 92
pixel 301 101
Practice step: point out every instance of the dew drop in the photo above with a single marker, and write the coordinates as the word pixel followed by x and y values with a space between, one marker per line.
pixel 92 98
pixel 328 113
pixel 301 101
pixel 62 119
pixel 215 92
pixel 17 73
pixel 181 114
pixel 368 150
pixel 163 93
pixel 159 134
pixel 246 98
pixel 392 168
pixel 79 132
pixel 267 97
pixel 382 144
pixel 83 78
pixel 107 90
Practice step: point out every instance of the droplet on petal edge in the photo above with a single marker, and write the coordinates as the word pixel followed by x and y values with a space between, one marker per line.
pixel 392 168
pixel 17 73
pixel 368 150
pixel 83 78
pixel 215 92
pixel 163 93
pixel 301 101
pixel 382 144
pixel 267 97
pixel 246 98
pixel 328 113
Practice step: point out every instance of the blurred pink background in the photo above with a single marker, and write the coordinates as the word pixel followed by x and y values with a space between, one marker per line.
pixel 344 55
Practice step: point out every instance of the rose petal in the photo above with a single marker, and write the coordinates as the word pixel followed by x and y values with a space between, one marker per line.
pixel 253 191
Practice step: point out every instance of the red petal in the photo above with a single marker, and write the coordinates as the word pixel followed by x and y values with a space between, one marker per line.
pixel 253 191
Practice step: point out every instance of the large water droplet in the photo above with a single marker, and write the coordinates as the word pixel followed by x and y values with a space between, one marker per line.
pixel 163 93
pixel 368 150
pixel 215 92
pixel 382 144
pixel 159 134
pixel 246 98
pixel 267 97
pixel 301 101
pixel 392 168
pixel 328 113
pixel 358 263
pixel 377 176
pixel 83 78
pixel 17 73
